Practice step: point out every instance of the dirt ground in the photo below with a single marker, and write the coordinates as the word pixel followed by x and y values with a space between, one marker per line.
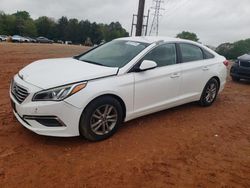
pixel 188 146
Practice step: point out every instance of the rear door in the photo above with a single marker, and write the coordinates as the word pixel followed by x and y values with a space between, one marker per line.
pixel 194 70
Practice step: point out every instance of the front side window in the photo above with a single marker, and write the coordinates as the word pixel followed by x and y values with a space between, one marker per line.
pixel 163 55
pixel 116 53
pixel 191 53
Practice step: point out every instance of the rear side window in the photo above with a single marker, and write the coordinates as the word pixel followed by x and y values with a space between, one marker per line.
pixel 191 52
pixel 208 55
pixel 163 55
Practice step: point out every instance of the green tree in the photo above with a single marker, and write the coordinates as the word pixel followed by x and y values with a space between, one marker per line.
pixel 234 50
pixel 96 35
pixel 46 27
pixel 1 22
pixel 7 24
pixel 188 35
pixel 224 49
pixel 29 29
pixel 61 28
pixel 113 30
pixel 24 15
pixel 24 24
pixel 72 31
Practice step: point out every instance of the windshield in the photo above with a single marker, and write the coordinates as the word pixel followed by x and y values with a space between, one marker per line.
pixel 116 53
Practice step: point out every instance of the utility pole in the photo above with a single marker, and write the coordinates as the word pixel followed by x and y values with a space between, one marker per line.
pixel 140 17
pixel 140 21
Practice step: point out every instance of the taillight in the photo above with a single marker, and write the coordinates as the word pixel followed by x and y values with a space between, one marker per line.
pixel 226 63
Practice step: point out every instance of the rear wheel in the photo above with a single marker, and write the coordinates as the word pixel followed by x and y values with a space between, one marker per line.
pixel 209 93
pixel 101 119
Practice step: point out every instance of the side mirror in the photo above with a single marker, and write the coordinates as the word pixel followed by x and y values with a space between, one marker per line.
pixel 147 65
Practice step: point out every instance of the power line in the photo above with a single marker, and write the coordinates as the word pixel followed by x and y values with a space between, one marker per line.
pixel 156 15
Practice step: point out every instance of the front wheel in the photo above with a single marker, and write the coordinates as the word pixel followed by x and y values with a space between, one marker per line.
pixel 209 93
pixel 101 119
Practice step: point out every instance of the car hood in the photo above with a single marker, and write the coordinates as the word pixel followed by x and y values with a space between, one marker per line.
pixel 245 57
pixel 50 73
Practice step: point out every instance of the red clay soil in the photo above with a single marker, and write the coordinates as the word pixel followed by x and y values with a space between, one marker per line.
pixel 187 146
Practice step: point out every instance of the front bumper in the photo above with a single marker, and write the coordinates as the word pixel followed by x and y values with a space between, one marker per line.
pixel 67 115
pixel 240 72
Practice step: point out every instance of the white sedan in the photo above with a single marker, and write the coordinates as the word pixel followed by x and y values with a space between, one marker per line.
pixel 17 38
pixel 93 93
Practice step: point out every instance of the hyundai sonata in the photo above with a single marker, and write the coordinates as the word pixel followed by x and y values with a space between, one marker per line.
pixel 93 93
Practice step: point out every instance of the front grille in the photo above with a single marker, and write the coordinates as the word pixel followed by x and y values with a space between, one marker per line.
pixel 19 92
pixel 244 63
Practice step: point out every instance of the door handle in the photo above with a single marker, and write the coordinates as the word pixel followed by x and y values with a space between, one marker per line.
pixel 175 75
pixel 205 68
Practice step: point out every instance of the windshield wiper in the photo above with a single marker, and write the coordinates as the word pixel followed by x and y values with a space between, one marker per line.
pixel 92 62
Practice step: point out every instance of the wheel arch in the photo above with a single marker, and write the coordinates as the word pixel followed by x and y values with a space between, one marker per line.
pixel 201 101
pixel 216 78
pixel 119 99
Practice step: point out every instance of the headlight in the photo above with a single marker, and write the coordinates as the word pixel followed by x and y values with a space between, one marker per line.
pixel 236 63
pixel 60 93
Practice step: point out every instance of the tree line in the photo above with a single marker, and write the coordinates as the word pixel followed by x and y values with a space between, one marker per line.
pixel 77 31
pixel 234 50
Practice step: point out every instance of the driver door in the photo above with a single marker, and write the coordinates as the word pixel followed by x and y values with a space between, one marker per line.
pixel 159 88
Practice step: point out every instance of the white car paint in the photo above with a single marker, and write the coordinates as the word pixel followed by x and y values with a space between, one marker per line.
pixel 18 38
pixel 62 71
pixel 142 92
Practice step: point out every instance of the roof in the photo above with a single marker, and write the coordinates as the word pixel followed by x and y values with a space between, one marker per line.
pixel 152 39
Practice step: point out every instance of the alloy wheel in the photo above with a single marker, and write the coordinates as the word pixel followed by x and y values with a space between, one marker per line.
pixel 211 92
pixel 103 119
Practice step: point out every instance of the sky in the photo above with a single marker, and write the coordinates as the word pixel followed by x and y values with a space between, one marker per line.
pixel 214 21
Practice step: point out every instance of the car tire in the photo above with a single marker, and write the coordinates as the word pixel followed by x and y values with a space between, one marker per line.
pixel 105 110
pixel 235 79
pixel 209 93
